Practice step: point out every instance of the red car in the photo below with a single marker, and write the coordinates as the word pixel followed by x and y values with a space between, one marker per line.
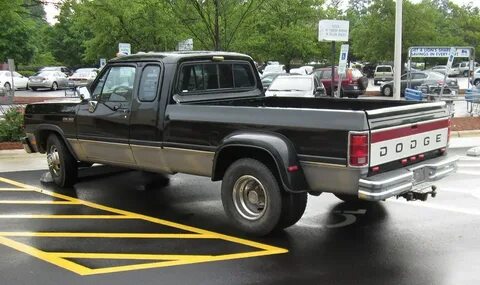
pixel 354 83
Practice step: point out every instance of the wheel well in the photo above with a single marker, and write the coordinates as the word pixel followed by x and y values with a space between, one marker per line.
pixel 229 155
pixel 42 137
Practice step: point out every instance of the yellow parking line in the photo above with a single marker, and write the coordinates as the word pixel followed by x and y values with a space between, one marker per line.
pixel 27 216
pixel 105 235
pixel 132 256
pixel 39 202
pixel 17 189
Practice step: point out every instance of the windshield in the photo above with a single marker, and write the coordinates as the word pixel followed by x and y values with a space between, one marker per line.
pixel 50 69
pixel 273 68
pixel 291 84
pixel 384 69
pixel 45 73
pixel 436 75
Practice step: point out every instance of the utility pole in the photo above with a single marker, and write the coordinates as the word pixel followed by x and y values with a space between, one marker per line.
pixel 398 50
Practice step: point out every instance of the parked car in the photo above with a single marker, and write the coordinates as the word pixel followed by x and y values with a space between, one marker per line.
pixel 82 76
pixel 305 86
pixel 3 91
pixel 184 116
pixel 354 83
pixel 443 69
pixel 304 70
pixel 462 68
pixel 476 78
pixel 383 73
pixel 52 80
pixel 274 68
pixel 268 78
pixel 62 69
pixel 419 78
pixel 19 81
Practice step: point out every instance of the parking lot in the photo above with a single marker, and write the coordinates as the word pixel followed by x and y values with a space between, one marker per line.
pixel 119 227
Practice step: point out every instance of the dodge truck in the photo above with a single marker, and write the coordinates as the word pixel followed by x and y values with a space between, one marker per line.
pixel 205 113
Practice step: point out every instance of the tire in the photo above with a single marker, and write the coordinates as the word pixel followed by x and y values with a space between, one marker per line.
pixel 465 73
pixel 375 82
pixel 34 88
pixel 476 82
pixel 61 163
pixel 387 90
pixel 54 86
pixel 245 210
pixel 293 207
pixel 7 86
pixel 27 87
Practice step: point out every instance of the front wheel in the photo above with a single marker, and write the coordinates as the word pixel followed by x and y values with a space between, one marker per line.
pixel 54 86
pixel 465 73
pixel 252 197
pixel 61 163
pixel 387 90
pixel 7 86
pixel 476 82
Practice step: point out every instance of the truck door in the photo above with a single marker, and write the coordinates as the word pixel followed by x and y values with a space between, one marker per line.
pixel 146 120
pixel 103 121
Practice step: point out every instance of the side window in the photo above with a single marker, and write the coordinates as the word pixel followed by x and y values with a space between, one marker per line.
pixel 99 87
pixel 149 83
pixel 243 76
pixel 118 85
pixel 326 74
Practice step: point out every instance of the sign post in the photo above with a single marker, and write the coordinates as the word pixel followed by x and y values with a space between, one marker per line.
pixel 342 64
pixel 124 48
pixel 333 31
pixel 11 68
pixel 103 62
pixel 451 57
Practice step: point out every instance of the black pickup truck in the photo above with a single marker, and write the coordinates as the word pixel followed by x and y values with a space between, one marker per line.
pixel 205 113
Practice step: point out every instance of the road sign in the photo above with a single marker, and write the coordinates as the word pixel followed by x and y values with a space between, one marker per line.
pixel 124 48
pixel 438 52
pixel 333 31
pixel 103 62
pixel 342 63
pixel 185 45
pixel 451 57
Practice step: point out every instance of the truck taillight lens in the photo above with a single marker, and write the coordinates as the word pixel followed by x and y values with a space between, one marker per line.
pixel 358 149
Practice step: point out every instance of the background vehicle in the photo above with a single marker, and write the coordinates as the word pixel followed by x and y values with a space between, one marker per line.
pixel 62 69
pixel 418 78
pixel 382 73
pixel 476 78
pixel 463 68
pixel 19 81
pixel 306 86
pixel 48 79
pixel 353 84
pixel 190 116
pixel 83 76
pixel 303 70
pixel 443 69
pixel 268 78
pixel 274 68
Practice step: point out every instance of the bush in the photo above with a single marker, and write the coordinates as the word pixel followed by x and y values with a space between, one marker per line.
pixel 11 127
pixel 27 73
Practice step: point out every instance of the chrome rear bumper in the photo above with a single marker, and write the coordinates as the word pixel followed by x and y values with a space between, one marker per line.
pixel 396 182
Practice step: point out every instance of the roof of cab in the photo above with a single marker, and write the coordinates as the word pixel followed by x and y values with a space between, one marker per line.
pixel 173 57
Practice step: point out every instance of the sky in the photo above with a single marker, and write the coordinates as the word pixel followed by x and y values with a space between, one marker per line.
pixel 52 11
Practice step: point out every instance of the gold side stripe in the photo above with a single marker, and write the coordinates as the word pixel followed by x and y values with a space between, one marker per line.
pixel 105 235
pixel 17 189
pixel 126 256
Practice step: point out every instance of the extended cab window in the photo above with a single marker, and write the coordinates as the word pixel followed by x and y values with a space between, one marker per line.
pixel 149 83
pixel 201 77
pixel 116 85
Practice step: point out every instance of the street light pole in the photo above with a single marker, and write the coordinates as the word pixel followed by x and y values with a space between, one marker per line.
pixel 398 50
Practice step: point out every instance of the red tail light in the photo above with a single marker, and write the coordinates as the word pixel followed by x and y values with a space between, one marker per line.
pixel 358 149
pixel 440 82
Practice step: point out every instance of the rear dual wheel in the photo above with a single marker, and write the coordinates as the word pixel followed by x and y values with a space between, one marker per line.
pixel 253 198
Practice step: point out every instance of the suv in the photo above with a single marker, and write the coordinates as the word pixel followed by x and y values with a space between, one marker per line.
pixel 382 73
pixel 476 78
pixel 353 84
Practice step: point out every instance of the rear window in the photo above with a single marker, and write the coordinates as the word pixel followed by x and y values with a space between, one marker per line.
pixel 197 78
pixel 384 69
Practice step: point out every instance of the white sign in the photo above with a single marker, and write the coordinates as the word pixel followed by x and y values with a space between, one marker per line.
pixel 451 57
pixel 342 62
pixel 185 45
pixel 437 52
pixel 333 31
pixel 103 62
pixel 11 65
pixel 124 48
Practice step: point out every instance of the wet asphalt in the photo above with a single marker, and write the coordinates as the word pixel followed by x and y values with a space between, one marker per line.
pixel 392 242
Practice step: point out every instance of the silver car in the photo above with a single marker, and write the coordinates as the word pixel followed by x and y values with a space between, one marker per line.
pixel 83 76
pixel 52 80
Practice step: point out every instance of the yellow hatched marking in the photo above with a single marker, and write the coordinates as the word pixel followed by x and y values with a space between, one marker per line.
pixel 58 258
pixel 39 202
pixel 28 216
pixel 105 235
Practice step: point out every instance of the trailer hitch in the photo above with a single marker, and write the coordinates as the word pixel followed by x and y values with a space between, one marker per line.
pixel 419 194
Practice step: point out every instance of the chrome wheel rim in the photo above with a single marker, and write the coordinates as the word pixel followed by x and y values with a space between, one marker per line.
pixel 249 197
pixel 387 91
pixel 54 86
pixel 53 160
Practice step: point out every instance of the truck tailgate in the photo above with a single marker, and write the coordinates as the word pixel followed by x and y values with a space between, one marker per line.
pixel 407 132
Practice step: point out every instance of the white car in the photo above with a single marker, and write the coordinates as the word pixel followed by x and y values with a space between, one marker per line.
pixel 274 68
pixel 476 78
pixel 306 86
pixel 19 81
